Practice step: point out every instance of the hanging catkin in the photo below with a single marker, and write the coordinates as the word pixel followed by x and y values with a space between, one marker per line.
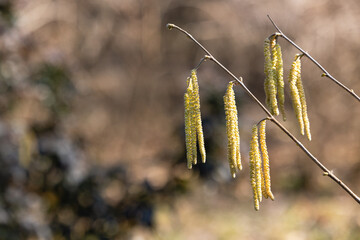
pixel 267 71
pixel 305 117
pixel 279 73
pixel 188 135
pixel 254 160
pixel 232 130
pixel 270 81
pixel 265 158
pixel 199 129
pixel 193 125
pixel 295 72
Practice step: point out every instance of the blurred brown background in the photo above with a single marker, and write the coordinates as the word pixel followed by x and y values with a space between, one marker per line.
pixel 91 127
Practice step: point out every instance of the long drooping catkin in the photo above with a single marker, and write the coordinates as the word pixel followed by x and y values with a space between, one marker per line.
pixel 265 158
pixel 232 130
pixel 270 81
pixel 267 71
pixel 188 131
pixel 295 72
pixel 193 125
pixel 188 126
pixel 258 168
pixel 279 73
pixel 199 129
pixel 254 159
pixel 305 117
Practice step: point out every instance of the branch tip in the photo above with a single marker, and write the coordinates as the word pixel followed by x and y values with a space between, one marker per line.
pixel 170 26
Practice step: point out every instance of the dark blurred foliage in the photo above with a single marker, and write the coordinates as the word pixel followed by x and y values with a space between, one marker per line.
pixel 91 120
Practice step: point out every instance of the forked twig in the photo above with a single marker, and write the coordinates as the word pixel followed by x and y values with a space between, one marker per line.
pixel 270 116
pixel 325 73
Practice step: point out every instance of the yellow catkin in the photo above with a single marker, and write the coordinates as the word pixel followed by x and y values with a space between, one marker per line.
pixel 258 168
pixel 193 120
pixel 188 135
pixel 305 117
pixel 263 189
pixel 232 130
pixel 190 124
pixel 295 73
pixel 273 80
pixel 279 75
pixel 267 70
pixel 199 128
pixel 270 84
pixel 265 157
pixel 252 156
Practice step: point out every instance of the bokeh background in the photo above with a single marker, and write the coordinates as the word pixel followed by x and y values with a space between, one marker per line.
pixel 92 133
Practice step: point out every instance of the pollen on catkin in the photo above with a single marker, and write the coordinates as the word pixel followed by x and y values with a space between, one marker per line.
pixel 188 135
pixel 295 73
pixel 254 159
pixel 279 76
pixel 267 70
pixel 199 128
pixel 193 126
pixel 305 117
pixel 265 158
pixel 270 81
pixel 232 130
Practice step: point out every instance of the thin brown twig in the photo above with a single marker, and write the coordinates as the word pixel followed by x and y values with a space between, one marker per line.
pixel 271 117
pixel 325 73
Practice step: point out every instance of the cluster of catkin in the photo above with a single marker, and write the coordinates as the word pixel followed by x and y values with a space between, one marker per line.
pixel 298 96
pixel 259 166
pixel 274 81
pixel 193 125
pixel 274 84
pixel 232 130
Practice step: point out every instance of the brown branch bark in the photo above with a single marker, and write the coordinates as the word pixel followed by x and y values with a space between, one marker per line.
pixel 325 73
pixel 326 172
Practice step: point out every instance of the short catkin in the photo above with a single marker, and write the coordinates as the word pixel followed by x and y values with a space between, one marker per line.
pixel 295 73
pixel 193 125
pixel 253 155
pixel 265 158
pixel 232 130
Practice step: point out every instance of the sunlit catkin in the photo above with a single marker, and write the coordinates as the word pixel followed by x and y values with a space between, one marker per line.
pixel 232 130
pixel 270 84
pixel 267 70
pixel 258 168
pixel 190 124
pixel 279 76
pixel 305 117
pixel 193 125
pixel 188 135
pixel 199 129
pixel 295 73
pixel 253 155
pixel 265 158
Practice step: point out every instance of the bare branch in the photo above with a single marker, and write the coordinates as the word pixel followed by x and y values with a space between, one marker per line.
pixel 325 73
pixel 270 116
